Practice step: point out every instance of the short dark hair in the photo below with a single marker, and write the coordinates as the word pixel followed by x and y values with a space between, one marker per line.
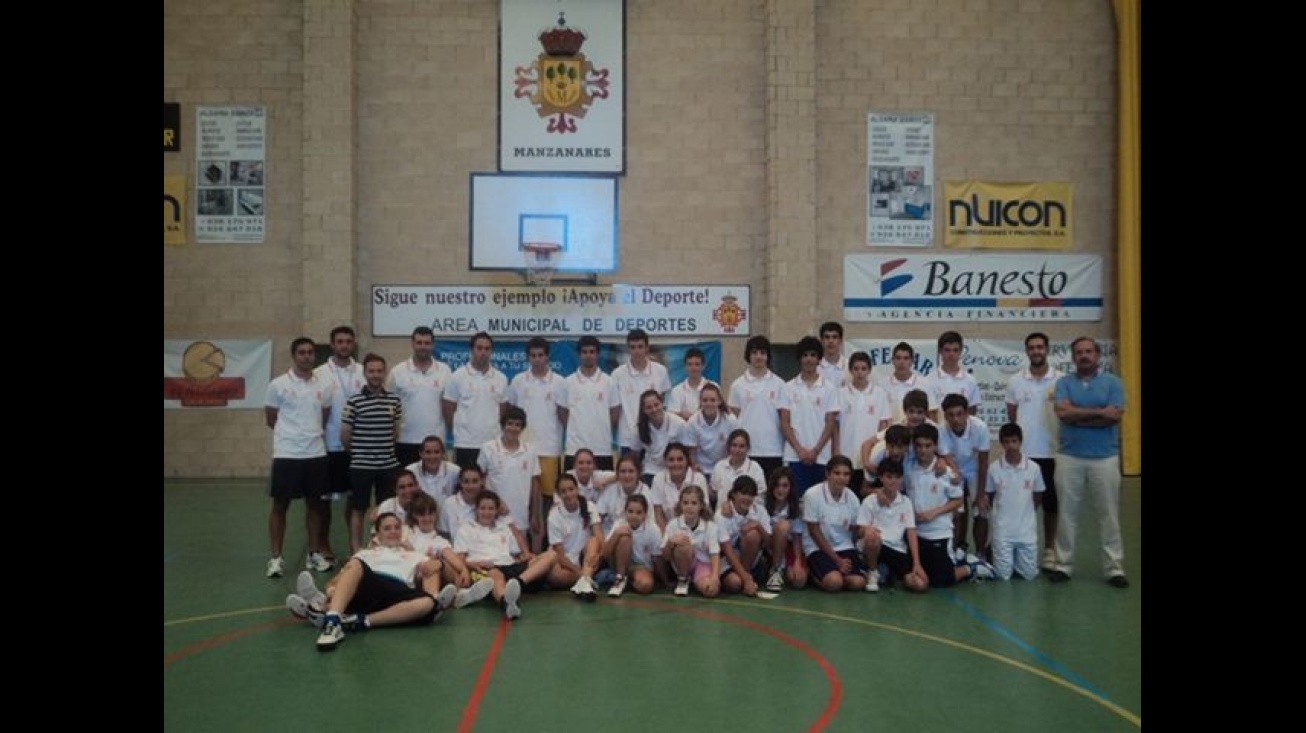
pixel 637 334
pixel 925 430
pixel 371 357
pixel 899 435
pixel 861 356
pixel 342 329
pixel 694 352
pixel 757 343
pixel 955 400
pixel 513 413
pixel 422 331
pixel 478 336
pixel 808 345
pixel 1011 430
pixel 950 337
pixel 1038 335
pixel 831 326
pixel 587 341
pixel 538 342
pixel 889 467
pixel 916 398
pixel 294 345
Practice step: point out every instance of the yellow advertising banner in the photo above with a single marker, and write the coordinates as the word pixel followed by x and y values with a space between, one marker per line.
pixel 983 215
pixel 174 209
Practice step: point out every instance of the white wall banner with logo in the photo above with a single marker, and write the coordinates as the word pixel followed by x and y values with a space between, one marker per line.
pixel 229 165
pixel 562 86
pixel 209 374
pixel 991 361
pixel 1024 287
pixel 900 179
pixel 562 312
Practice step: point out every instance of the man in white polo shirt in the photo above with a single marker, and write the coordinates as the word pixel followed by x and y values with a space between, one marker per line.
pixel 633 378
pixel 347 374
pixel 589 407
pixel 537 391
pixel 420 383
pixel 474 401
pixel 296 408
pixel 951 377
pixel 1030 398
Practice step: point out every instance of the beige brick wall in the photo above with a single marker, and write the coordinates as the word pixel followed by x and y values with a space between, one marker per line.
pixel 746 150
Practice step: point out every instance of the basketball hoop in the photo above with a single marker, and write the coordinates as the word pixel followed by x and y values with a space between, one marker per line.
pixel 541 259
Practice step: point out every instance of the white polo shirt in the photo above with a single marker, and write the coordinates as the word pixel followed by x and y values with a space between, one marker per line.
pixel 709 440
pixel 454 513
pixel 861 411
pixel 962 383
pixel 478 396
pixel 431 545
pixel 567 528
pixel 589 401
pixel 671 431
pixel 666 493
pixel 893 520
pixel 539 396
pixel 612 505
pixel 421 392
pixel 684 398
pixel 1012 488
pixel 646 542
pixel 349 382
pixel 486 544
pixel 809 403
pixel 897 389
pixel 836 517
pixel 706 537
pixel 834 372
pixel 732 524
pixel 927 491
pixel 439 485
pixel 508 473
pixel 590 490
pixel 393 562
pixel 758 400
pixel 298 432
pixel 724 475
pixel 965 448
pixel 1034 398
pixel 630 385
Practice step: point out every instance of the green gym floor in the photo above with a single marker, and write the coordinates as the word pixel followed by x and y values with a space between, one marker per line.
pixel 1013 656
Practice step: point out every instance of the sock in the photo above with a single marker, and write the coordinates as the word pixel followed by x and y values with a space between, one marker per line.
pixel 362 622
pixel 332 618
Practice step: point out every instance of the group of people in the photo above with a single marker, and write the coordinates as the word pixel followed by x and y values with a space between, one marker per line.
pixel 830 477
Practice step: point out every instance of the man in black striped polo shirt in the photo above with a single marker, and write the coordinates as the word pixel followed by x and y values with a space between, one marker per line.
pixel 368 429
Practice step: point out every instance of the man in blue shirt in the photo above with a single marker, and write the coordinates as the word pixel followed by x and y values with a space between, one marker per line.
pixel 1089 404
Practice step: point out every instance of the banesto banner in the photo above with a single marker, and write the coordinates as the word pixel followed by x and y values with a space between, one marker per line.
pixel 1008 215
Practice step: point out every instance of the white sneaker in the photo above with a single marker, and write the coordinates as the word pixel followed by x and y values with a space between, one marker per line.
pixel 982 571
pixel 446 597
pixel 300 609
pixel 584 589
pixel 511 594
pixel 1049 559
pixel 306 588
pixel 682 587
pixel 776 581
pixel 317 561
pixel 473 593
pixel 331 636
pixel 618 586
pixel 276 567
pixel 873 581
pixel 959 554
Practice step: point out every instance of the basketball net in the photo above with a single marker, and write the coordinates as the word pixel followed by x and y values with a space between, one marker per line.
pixel 541 261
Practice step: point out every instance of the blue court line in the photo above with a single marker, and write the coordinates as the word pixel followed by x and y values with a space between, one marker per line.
pixel 1025 646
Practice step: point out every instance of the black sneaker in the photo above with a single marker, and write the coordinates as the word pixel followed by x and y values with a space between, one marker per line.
pixel 1118 581
pixel 1058 576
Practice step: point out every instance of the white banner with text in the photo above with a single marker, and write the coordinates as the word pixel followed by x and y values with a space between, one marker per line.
pixel 562 311
pixel 980 287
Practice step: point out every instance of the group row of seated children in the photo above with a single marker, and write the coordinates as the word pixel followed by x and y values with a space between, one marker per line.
pixel 899 531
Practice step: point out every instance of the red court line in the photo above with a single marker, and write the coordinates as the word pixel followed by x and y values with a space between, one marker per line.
pixel 836 686
pixel 204 645
pixel 483 680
